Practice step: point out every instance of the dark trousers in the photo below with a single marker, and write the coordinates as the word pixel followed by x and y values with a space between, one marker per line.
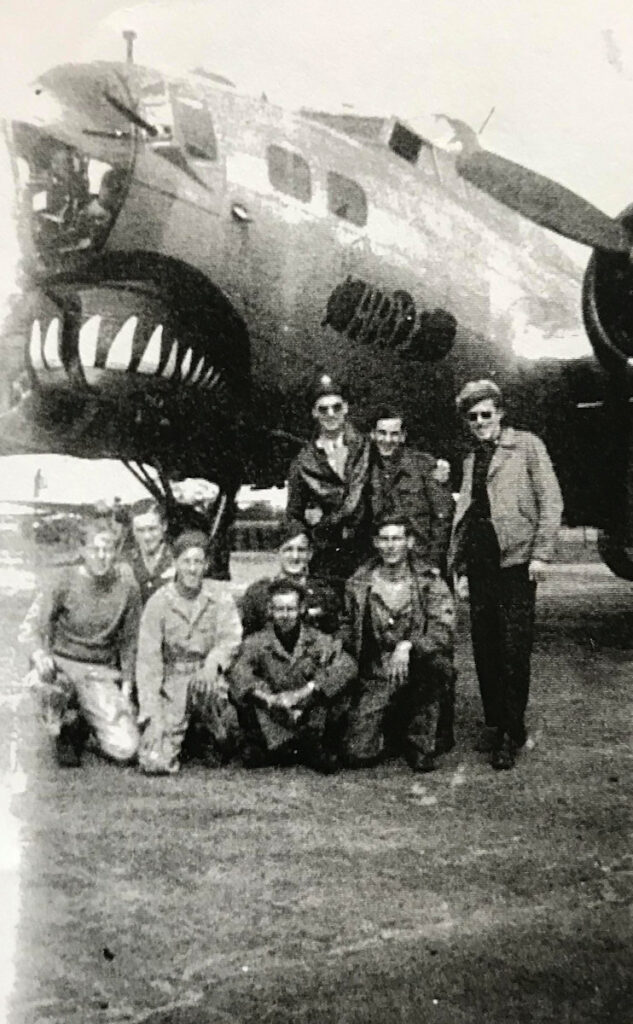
pixel 391 718
pixel 502 605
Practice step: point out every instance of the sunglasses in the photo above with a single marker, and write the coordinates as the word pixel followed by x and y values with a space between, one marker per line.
pixel 334 407
pixel 485 414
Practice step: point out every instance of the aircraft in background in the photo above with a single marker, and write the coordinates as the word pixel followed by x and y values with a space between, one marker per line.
pixel 193 256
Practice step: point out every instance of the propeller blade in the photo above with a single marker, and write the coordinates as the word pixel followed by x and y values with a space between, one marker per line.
pixel 543 201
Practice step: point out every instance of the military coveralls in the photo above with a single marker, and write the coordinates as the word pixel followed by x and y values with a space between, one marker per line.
pixel 322 606
pixel 264 664
pixel 385 715
pixel 338 539
pixel 185 646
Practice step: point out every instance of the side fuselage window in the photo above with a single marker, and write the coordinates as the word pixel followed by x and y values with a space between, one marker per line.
pixel 194 125
pixel 346 199
pixel 288 172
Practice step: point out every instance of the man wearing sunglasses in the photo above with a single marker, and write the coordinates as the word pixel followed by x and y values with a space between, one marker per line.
pixel 326 485
pixel 506 521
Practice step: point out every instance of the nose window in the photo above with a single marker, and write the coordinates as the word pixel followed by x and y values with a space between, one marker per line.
pixel 67 201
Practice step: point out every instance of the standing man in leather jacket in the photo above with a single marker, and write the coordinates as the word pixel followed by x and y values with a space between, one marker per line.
pixel 327 485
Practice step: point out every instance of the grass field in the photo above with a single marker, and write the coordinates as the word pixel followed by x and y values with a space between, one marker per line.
pixel 369 897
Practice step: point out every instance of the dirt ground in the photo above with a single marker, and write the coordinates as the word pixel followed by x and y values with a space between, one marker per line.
pixel 369 897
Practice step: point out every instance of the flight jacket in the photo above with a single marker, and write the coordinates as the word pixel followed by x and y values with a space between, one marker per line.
pixel 434 610
pixel 313 483
pixel 525 502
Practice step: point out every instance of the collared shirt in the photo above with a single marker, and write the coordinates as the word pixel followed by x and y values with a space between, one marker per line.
pixel 150 578
pixel 336 452
pixel 176 630
pixel 313 483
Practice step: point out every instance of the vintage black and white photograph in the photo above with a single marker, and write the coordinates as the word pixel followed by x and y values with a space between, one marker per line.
pixel 316 512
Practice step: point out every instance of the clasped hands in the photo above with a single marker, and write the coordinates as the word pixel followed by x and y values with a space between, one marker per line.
pixel 292 702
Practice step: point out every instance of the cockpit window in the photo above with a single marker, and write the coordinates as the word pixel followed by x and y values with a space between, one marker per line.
pixel 346 199
pixel 194 124
pixel 288 172
pixel 67 201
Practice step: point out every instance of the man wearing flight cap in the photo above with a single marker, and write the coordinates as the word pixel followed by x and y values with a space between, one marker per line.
pixel 506 521
pixel 327 482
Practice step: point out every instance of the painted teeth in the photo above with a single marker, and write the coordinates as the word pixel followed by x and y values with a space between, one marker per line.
pixel 186 364
pixel 195 376
pixel 50 350
pixel 151 355
pixel 44 353
pixel 170 366
pixel 35 347
pixel 88 338
pixel 120 354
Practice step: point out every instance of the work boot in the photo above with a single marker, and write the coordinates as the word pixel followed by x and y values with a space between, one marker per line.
pixel 504 756
pixel 419 762
pixel 253 756
pixel 444 743
pixel 322 761
pixel 487 739
pixel 69 744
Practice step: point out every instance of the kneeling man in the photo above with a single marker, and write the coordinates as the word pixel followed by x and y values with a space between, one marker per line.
pixel 190 629
pixel 289 684
pixel 399 624
pixel 85 629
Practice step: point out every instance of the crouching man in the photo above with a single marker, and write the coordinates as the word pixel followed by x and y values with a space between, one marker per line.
pixel 190 629
pixel 85 627
pixel 399 624
pixel 321 605
pixel 290 684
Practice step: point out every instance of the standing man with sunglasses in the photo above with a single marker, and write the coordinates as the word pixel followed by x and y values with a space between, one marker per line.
pixel 326 486
pixel 506 521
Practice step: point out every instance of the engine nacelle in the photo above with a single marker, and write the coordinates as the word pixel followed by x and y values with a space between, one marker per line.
pixel 608 315
pixel 608 310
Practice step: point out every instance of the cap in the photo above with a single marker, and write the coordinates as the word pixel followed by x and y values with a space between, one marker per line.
pixel 476 391
pixel 325 384
pixel 190 539
pixel 289 529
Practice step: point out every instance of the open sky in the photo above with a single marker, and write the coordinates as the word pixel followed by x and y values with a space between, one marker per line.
pixel 559 75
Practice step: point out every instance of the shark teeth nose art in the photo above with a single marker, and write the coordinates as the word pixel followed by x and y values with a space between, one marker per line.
pixel 50 350
pixel 120 353
pixel 150 359
pixel 35 346
pixel 161 357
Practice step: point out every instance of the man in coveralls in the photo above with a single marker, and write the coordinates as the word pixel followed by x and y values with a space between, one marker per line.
pixel 399 624
pixel 290 684
pixel 190 629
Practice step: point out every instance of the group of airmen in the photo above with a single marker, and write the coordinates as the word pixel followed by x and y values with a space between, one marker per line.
pixel 344 657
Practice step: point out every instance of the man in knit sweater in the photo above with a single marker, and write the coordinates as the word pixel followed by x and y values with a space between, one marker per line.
pixel 85 647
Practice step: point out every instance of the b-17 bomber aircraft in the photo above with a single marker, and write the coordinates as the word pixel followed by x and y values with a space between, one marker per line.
pixel 193 256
